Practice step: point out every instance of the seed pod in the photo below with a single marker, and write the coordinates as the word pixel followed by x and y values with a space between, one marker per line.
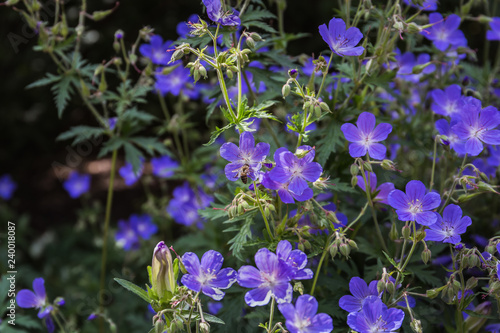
pixel 177 55
pixel 352 244
pixel 390 287
pixel 229 74
pixel 256 37
pixel 317 111
pixel 420 235
pixel 367 166
pixel 380 286
pixel 388 165
pixel 133 58
pixel 250 42
pixel 159 326
pixel 203 71
pixel 413 28
pixel 301 247
pixel 204 327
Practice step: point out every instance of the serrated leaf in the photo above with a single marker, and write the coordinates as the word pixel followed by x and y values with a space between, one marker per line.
pixel 330 142
pixel 244 234
pixel 133 156
pixel 113 144
pixel 81 133
pixel 215 134
pixel 134 288
pixel 50 78
pixel 151 145
pixel 62 92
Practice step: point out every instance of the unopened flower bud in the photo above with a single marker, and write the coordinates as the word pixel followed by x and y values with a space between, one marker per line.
pixel 406 232
pixel 59 301
pixel 393 233
pixel 420 235
pixel 250 42
pixel 345 250
pixel 177 55
pixel 413 28
pixel 352 244
pixel 159 326
pixel 426 255
pixel 433 293
pixel 293 73
pixel 163 278
pixel 390 287
pixel 388 165
pixel 420 68
pixel 324 107
pixel 367 166
pixel 416 326
pixel 285 91
pixel 354 169
pixel 354 181
pixel 133 58
pixel 471 283
pixel 380 286
pixel 204 327
pixel 333 250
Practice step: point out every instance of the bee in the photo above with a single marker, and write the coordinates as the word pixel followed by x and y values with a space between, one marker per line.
pixel 244 171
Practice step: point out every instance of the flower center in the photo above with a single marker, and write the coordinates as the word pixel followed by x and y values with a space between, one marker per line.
pixel 303 323
pixel 270 279
pixel 206 278
pixel 416 207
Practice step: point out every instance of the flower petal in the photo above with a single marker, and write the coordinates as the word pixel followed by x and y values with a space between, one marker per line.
pixel 27 299
pixel 211 262
pixel 191 263
pixel 247 142
pixel 249 277
pixel 258 296
pixel 191 282
pixel 366 123
pixel 398 200
pixel 230 152
pixel 377 151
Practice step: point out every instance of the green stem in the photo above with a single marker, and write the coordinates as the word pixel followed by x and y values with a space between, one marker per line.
pixel 374 213
pixel 363 210
pixel 61 327
pixel 324 76
pixel 271 315
pixel 433 164
pixel 257 195
pixel 325 250
pixel 105 235
pixel 413 246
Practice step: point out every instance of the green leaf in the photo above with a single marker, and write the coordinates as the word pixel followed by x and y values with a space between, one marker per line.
pixel 113 144
pixel 151 145
pixel 134 114
pixel 62 92
pixel 133 156
pixel 50 78
pixel 244 234
pixel 134 288
pixel 212 319
pixel 331 140
pixel 339 186
pixel 254 13
pixel 215 134
pixel 81 133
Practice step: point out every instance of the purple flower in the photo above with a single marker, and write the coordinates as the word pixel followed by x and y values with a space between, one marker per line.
pixel 7 187
pixel 271 279
pixel 302 317
pixel 382 191
pixel 143 225
pixel 448 228
pixel 427 5
pixel 444 128
pixel 157 50
pixel 446 102
pixel 217 14
pixel 365 136
pixel 445 34
pixel 174 82
pixel 183 28
pixel 164 166
pixel 494 33
pixel 295 171
pixel 126 236
pixel 207 277
pixel 360 292
pixel 375 317
pixel 341 42
pixel 493 328
pixel 309 67
pixel 407 61
pixel 185 204
pixel 214 307
pixel 77 184
pixel 38 299
pixel 295 259
pixel 128 174
pixel 247 158
pixel 415 205
pixel 477 126
pixel 284 192
pixel 112 122
pixel 91 317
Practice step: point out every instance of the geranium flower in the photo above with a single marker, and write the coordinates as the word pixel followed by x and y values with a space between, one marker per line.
pixel 365 136
pixel 360 292
pixel 128 174
pixel 77 184
pixel 156 50
pixel 7 187
pixel 446 102
pixel 164 166
pixel 448 228
pixel 217 14
pixel 26 298
pixel 341 41
pixel 302 317
pixel 494 33
pixel 207 277
pixel 271 279
pixel 415 205
pixel 382 191
pixel 445 33
pixel 295 259
pixel 247 155
pixel 375 317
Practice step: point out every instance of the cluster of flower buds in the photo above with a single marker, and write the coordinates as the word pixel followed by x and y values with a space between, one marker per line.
pixel 449 293
pixel 315 106
pixel 197 70
pixel 386 283
pixel 180 51
pixel 343 245
pixel 238 206
pixel 199 28
pixel 470 259
pixel 251 38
